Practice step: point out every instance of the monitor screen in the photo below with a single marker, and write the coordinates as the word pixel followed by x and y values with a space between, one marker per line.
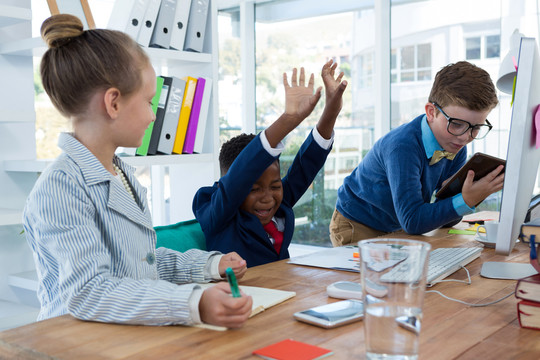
pixel 523 156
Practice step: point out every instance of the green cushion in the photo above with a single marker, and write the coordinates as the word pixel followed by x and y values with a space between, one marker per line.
pixel 181 236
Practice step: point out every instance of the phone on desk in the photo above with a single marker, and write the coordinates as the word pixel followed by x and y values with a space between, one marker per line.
pixel 482 164
pixel 332 315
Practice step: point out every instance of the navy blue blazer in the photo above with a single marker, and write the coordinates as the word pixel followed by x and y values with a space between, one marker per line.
pixel 228 228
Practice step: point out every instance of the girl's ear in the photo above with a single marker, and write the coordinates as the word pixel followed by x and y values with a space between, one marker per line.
pixel 111 100
pixel 431 111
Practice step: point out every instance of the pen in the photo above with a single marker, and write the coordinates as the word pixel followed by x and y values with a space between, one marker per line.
pixel 231 278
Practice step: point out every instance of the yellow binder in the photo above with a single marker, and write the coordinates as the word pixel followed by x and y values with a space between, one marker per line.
pixel 185 111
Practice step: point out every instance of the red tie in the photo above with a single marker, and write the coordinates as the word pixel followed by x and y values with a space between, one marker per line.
pixel 272 230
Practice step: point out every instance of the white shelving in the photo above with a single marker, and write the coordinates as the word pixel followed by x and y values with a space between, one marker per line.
pixel 23 47
pixel 166 62
pixel 24 280
pixel 10 216
pixel 37 166
pixel 15 314
pixel 19 168
pixel 10 15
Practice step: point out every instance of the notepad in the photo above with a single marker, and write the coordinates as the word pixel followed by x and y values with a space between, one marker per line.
pixel 337 258
pixel 263 298
pixel 292 350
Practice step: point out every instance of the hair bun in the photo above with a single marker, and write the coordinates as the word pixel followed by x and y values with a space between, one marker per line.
pixel 59 29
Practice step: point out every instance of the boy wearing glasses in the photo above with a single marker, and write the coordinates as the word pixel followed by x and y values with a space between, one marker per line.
pixel 391 189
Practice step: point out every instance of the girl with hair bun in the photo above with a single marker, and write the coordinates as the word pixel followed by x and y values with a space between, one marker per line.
pixel 87 218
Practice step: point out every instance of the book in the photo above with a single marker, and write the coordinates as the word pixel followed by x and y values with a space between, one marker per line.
pixel 143 149
pixel 185 112
pixel 181 17
pixel 172 113
pixel 203 117
pixel 528 288
pixel 530 228
pixel 160 113
pixel 529 314
pixel 290 349
pixel 191 131
pixel 263 298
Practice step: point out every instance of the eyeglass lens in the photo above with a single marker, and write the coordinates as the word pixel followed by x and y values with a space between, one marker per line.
pixel 459 127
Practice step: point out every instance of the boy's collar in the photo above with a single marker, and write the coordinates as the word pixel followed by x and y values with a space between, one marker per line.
pixel 428 138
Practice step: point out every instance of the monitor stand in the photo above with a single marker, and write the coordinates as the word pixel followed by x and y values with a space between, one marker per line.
pixel 507 271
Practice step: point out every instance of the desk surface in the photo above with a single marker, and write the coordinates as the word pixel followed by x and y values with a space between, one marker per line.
pixel 449 329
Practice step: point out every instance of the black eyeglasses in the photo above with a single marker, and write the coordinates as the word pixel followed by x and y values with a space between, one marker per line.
pixel 459 127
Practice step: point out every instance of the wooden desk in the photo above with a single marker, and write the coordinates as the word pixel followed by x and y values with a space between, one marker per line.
pixel 449 330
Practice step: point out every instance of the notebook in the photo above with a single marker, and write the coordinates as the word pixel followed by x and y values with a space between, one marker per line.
pixel 263 298
pixel 292 350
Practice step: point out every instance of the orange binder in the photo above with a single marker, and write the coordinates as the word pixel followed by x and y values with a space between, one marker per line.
pixel 185 111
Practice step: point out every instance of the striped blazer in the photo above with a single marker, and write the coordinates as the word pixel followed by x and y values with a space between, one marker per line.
pixel 94 247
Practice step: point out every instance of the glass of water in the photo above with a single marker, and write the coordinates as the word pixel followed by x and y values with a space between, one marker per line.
pixel 393 273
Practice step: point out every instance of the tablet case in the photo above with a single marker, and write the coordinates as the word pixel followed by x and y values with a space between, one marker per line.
pixel 482 164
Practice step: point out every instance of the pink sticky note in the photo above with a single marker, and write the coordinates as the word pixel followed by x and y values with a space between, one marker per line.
pixel 536 127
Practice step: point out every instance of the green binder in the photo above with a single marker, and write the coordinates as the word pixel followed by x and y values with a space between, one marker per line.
pixel 143 149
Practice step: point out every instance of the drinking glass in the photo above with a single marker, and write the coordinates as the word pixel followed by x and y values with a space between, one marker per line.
pixel 393 275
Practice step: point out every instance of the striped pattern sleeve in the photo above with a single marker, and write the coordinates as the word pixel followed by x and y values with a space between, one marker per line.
pixel 92 261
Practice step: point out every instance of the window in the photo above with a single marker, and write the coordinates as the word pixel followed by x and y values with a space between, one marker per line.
pixel 473 48
pixel 310 43
pixel 482 47
pixel 296 32
pixel 49 122
pixel 411 63
pixel 230 81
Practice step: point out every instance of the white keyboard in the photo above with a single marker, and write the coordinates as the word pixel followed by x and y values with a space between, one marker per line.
pixel 442 263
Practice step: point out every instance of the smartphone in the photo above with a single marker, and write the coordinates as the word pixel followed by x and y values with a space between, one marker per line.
pixel 332 315
pixel 482 164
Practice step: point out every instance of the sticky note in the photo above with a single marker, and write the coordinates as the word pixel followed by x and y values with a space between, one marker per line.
pixel 461 232
pixel 536 126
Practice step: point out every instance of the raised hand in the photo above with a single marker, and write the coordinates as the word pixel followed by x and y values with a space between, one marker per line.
pixel 299 103
pixel 299 97
pixel 334 88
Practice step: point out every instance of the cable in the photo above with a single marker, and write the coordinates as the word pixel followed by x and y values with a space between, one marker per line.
pixel 470 304
pixel 468 283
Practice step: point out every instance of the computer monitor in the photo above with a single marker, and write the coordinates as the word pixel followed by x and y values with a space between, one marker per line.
pixel 522 162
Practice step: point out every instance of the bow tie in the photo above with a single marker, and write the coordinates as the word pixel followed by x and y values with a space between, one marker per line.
pixel 438 155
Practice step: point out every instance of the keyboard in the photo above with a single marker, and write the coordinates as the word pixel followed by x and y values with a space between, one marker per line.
pixel 442 263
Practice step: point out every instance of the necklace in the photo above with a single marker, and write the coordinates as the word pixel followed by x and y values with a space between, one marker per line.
pixel 124 181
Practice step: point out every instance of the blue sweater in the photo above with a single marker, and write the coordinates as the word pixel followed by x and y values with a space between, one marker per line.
pixel 228 228
pixel 391 188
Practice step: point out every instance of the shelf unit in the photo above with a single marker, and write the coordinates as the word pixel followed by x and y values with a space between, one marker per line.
pixel 11 14
pixel 203 169
pixel 17 116
pixel 19 168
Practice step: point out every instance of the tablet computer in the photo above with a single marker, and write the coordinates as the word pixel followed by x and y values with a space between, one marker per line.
pixel 482 164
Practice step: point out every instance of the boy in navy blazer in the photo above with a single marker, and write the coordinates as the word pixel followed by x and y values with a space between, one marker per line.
pixel 249 210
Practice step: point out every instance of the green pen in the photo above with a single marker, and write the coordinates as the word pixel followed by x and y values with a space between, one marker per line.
pixel 231 278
